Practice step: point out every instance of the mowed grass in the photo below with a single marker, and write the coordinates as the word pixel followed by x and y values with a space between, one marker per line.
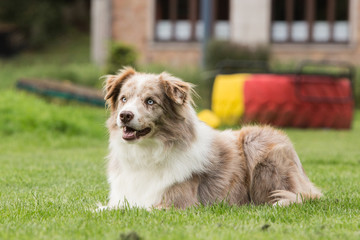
pixel 52 176
pixel 52 170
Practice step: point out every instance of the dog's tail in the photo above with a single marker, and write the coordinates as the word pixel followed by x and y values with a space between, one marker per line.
pixel 285 198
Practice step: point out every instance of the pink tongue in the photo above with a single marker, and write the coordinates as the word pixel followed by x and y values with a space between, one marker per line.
pixel 129 135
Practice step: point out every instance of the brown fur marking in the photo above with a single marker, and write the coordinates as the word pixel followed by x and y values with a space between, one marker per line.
pixel 181 195
pixel 113 86
pixel 226 177
pixel 176 125
pixel 176 89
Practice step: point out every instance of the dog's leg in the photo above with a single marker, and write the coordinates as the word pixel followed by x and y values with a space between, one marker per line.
pixel 266 178
pixel 180 195
pixel 278 180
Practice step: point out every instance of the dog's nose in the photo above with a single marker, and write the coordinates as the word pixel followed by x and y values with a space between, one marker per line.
pixel 126 116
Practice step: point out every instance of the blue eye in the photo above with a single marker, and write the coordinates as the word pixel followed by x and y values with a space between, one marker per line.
pixel 150 101
pixel 123 99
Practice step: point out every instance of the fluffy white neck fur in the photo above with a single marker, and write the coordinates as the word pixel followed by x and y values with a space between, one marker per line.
pixel 144 170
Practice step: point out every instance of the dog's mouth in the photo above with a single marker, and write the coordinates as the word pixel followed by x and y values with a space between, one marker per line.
pixel 132 134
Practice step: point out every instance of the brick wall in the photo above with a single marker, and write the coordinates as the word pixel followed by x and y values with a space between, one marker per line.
pixel 129 18
pixel 333 52
pixel 176 55
pixel 132 23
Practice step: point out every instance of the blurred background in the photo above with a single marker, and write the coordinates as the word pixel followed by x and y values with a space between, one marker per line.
pixel 78 41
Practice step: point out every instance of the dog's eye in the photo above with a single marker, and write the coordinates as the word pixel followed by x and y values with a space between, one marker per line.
pixel 123 99
pixel 149 101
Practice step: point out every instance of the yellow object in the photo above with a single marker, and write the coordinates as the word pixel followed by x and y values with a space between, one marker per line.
pixel 228 97
pixel 209 118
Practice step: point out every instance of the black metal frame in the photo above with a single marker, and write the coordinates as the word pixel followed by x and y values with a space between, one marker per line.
pixel 349 74
pixel 236 66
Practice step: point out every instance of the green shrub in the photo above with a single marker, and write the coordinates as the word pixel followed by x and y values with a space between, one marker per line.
pixel 120 55
pixel 218 51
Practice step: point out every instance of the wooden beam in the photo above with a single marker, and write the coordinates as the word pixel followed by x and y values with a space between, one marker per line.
pixel 214 16
pixel 289 17
pixel 331 18
pixel 310 18
pixel 193 8
pixel 173 17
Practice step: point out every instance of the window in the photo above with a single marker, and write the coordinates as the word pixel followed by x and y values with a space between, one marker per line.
pixel 316 21
pixel 180 20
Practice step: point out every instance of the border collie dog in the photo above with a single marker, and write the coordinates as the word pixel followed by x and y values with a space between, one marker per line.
pixel 162 155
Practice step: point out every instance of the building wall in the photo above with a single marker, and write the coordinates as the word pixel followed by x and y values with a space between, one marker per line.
pixel 174 54
pixel 133 23
pixel 100 30
pixel 129 18
pixel 250 22
pixel 333 52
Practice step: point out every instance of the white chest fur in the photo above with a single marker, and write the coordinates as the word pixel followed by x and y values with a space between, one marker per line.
pixel 140 173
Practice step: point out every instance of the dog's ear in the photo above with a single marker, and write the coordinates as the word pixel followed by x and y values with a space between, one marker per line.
pixel 176 89
pixel 113 85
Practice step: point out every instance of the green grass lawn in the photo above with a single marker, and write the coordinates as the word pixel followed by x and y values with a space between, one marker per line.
pixel 52 173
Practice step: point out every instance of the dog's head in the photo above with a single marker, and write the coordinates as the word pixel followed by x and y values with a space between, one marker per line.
pixel 147 105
